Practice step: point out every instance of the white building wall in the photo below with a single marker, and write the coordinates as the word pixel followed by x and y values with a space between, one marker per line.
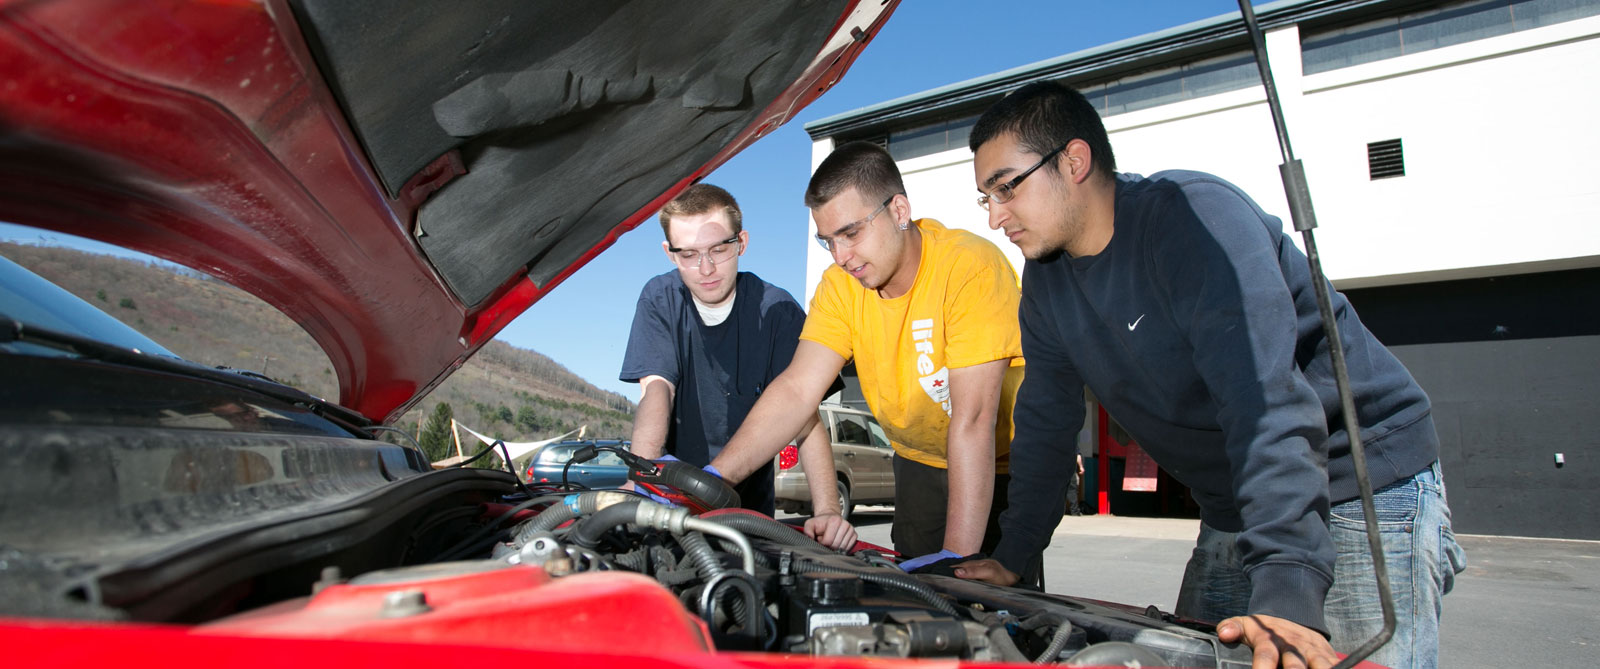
pixel 1502 157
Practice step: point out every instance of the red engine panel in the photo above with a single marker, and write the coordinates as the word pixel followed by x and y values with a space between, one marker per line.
pixel 519 607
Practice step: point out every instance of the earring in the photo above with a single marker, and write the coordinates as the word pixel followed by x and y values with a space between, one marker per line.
pixel 904 226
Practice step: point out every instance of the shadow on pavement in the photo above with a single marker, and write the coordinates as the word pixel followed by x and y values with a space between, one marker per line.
pixel 863 517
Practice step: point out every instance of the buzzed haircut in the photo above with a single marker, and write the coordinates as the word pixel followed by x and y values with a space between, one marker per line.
pixel 1044 115
pixel 699 199
pixel 863 165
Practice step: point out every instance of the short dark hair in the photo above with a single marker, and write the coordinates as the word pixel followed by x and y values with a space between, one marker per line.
pixel 1044 115
pixel 864 165
pixel 699 199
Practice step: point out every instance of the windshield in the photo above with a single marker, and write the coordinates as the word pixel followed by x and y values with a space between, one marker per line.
pixel 74 364
pixel 28 298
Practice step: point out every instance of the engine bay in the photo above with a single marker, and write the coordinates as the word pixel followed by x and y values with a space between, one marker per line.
pixel 609 567
pixel 306 537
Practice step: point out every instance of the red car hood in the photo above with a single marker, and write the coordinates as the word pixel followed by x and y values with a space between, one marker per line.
pixel 401 178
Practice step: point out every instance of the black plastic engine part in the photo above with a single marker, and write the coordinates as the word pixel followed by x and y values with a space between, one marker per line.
pixel 698 485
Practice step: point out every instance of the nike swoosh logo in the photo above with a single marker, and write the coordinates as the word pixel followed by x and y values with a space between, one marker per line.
pixel 1135 323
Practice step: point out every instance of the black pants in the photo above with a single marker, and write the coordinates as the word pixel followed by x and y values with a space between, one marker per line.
pixel 921 495
pixel 1074 508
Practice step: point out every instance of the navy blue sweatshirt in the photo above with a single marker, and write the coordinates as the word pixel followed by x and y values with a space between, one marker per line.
pixel 1197 328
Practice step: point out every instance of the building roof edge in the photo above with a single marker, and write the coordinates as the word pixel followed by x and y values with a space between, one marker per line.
pixel 1141 50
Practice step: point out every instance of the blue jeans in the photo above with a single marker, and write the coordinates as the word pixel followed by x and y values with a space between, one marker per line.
pixel 1419 549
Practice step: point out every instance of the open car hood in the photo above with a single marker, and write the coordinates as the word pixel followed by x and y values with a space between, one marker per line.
pixel 401 178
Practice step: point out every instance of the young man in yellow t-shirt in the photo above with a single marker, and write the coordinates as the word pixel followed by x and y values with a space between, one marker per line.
pixel 929 315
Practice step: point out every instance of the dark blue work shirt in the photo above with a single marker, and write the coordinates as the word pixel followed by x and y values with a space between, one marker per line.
pixel 1197 327
pixel 718 370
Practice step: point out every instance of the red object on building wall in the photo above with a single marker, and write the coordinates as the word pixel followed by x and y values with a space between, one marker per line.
pixel 1106 448
pixel 1139 472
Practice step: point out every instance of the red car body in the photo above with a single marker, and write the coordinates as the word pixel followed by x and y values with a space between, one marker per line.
pixel 202 132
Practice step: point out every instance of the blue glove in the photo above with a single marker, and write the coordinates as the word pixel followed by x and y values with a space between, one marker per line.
pixel 654 497
pixel 919 562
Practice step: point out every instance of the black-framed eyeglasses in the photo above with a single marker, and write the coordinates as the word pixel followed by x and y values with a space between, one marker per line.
pixel 1003 193
pixel 849 235
pixel 718 253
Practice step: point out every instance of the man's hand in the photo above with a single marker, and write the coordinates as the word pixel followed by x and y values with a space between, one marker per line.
pixel 831 530
pixel 1278 642
pixel 988 571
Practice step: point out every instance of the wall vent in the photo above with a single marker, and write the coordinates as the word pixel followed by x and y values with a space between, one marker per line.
pixel 1386 159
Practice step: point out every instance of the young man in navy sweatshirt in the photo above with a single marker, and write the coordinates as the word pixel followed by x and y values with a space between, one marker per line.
pixel 1192 317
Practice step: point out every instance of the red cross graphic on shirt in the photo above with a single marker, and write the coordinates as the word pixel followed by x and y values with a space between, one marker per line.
pixel 938 383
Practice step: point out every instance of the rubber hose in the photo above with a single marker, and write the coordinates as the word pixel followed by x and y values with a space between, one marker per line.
pixel 1000 640
pixel 761 559
pixel 766 528
pixel 901 582
pixel 547 520
pixel 709 567
pixel 698 550
pixel 636 561
pixel 1058 642
pixel 555 515
pixel 558 513
pixel 588 531
pixel 745 609
pixel 917 588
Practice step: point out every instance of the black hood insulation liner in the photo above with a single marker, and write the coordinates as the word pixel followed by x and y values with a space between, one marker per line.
pixel 568 116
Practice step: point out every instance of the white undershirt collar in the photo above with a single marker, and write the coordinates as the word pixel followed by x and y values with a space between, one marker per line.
pixel 715 315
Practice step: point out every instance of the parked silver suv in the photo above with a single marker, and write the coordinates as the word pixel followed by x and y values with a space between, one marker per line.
pixel 862 460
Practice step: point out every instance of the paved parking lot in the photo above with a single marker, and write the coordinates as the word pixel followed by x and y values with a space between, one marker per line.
pixel 1521 602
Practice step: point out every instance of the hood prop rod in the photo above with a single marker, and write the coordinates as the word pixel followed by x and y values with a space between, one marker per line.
pixel 1300 211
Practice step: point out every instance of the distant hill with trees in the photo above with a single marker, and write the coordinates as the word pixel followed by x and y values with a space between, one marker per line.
pixel 506 392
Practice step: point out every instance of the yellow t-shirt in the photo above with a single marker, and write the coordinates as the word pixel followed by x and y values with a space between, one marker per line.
pixel 960 311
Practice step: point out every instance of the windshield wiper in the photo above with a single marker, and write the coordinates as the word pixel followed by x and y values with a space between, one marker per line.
pixel 12 330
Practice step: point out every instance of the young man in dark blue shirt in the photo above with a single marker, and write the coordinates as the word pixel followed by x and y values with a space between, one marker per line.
pixel 706 340
pixel 1192 317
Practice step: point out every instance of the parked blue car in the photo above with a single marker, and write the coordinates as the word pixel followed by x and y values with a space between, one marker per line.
pixel 606 470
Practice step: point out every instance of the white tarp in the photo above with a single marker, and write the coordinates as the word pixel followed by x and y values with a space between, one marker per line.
pixel 520 448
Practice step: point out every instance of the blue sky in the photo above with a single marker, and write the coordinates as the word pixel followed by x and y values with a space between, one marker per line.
pixel 584 323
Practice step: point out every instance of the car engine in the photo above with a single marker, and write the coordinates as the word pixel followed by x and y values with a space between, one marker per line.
pixel 738 581
pixel 304 537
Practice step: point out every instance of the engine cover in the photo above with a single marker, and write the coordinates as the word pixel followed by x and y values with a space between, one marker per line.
pixel 476 604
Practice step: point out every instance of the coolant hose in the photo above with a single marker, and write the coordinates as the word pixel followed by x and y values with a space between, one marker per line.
pixel 571 506
pixel 1058 642
pixel 745 609
pixel 739 540
pixel 763 527
pixel 547 520
pixel 699 550
pixel 587 532
pixel 901 582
